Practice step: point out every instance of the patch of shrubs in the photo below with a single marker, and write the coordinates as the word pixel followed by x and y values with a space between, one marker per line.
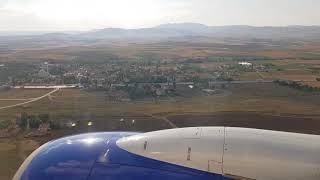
pixel 35 121
pixel 297 85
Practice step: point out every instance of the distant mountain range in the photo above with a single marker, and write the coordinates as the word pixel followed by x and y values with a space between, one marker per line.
pixel 192 30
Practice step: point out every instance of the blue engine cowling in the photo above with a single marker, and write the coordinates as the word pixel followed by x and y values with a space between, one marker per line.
pixel 96 156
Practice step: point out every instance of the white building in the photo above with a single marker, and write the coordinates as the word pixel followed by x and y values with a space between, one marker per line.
pixel 247 64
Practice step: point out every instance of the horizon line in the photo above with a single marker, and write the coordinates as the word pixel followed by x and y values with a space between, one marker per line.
pixel 150 27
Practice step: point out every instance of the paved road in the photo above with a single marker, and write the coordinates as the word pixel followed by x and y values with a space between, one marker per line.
pixel 240 82
pixel 31 100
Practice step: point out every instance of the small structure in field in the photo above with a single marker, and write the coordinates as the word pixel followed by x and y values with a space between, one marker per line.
pixel 43 130
pixel 247 64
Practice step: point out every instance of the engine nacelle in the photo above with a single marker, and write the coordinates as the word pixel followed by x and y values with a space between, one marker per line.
pixel 200 153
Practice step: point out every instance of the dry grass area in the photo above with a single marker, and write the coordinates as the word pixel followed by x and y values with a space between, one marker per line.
pixel 293 75
pixel 266 101
pixel 194 47
pixel 5 146
pixel 74 103
pixel 213 65
pixel 192 52
pixel 9 103
pixel 277 53
pixel 22 93
pixel 296 61
pixel 250 76
pixel 12 154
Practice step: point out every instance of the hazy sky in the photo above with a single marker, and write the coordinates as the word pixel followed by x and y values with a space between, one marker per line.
pixel 56 15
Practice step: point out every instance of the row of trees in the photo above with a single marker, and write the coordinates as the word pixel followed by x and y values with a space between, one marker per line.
pixel 298 85
pixel 34 121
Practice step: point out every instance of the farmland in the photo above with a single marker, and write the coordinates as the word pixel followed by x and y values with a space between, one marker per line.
pixel 267 106
pixel 75 104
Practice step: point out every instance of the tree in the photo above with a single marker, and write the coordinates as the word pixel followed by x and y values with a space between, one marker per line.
pixel 69 79
pixel 44 117
pixel 23 120
pixel 34 121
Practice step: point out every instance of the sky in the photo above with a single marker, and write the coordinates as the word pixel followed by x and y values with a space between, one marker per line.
pixel 82 15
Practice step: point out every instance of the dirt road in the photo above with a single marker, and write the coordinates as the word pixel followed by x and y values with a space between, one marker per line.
pixel 30 101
